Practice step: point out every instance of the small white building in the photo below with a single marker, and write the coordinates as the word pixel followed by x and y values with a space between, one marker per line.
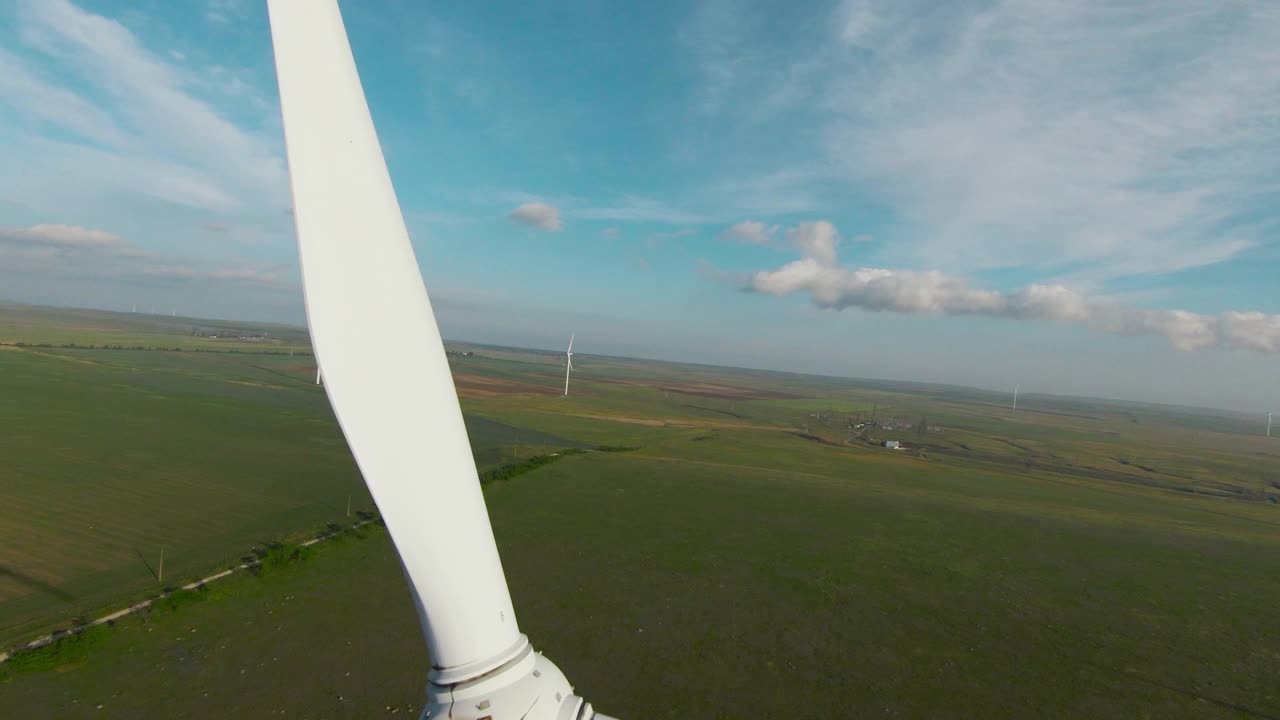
pixel 892 444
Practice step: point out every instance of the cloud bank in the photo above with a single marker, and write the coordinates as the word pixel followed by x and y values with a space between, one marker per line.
pixel 752 232
pixel 115 118
pixel 71 251
pixel 538 215
pixel 1101 139
pixel 1129 137
pixel 831 286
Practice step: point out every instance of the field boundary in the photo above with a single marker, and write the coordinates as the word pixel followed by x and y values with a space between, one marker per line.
pixel 228 350
pixel 52 637
pixel 504 472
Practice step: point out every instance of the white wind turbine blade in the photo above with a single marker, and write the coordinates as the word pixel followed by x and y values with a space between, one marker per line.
pixel 570 350
pixel 385 369
pixel 388 379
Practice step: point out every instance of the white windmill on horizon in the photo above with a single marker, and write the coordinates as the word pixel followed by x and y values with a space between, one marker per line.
pixel 387 378
pixel 1015 397
pixel 568 364
pixel 1268 424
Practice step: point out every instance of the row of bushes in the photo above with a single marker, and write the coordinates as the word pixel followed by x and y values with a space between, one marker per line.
pixel 70 647
pixel 510 470
pixel 73 644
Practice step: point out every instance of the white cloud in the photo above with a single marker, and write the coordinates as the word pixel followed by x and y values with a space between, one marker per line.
pixel 1254 330
pixel 609 233
pixel 141 127
pixel 1136 137
pixel 63 236
pixel 901 291
pixel 223 12
pixel 712 34
pixel 538 215
pixel 69 167
pixel 751 231
pixel 1102 140
pixel 50 252
pixel 815 240
pixel 831 286
pixel 623 208
pixel 22 87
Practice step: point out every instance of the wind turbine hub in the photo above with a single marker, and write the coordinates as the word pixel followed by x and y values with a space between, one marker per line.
pixel 529 686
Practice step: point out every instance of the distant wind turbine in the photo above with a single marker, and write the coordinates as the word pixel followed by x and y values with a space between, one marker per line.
pixel 1015 397
pixel 568 365
pixel 1268 424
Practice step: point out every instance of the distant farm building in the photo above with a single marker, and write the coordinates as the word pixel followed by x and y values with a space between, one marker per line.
pixel 892 444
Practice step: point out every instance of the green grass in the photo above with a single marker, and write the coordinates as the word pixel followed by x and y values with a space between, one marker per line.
pixel 516 469
pixel 1079 558
pixel 245 650
pixel 68 650
pixel 497 443
pixel 37 325
pixel 871 592
pixel 112 456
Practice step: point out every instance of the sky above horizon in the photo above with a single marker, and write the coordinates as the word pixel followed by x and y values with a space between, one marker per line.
pixel 1076 197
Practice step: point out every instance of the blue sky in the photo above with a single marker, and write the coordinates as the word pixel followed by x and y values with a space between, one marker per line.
pixel 1077 197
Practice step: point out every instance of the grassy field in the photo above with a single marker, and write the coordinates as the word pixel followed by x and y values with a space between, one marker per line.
pixel 874 590
pixel 111 456
pixel 38 325
pixel 759 554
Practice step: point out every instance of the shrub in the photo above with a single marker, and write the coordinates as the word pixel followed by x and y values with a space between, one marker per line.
pixel 69 647
pixel 170 602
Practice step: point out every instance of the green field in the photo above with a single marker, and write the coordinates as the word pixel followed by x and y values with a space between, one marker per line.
pixel 759 554
pixel 38 325
pixel 111 456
